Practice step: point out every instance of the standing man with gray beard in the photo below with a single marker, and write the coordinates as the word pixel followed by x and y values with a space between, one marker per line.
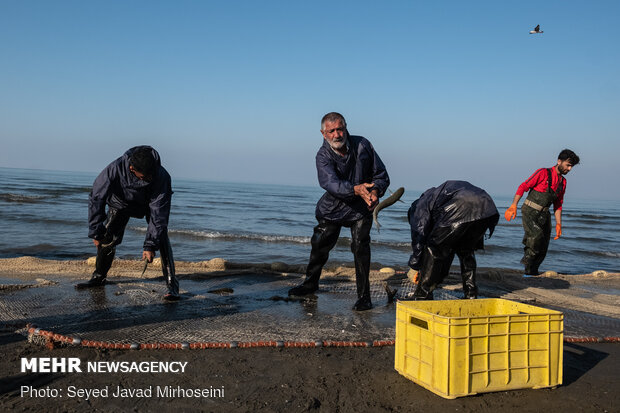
pixel 354 178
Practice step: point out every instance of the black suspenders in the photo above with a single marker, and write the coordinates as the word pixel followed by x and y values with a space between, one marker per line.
pixel 549 180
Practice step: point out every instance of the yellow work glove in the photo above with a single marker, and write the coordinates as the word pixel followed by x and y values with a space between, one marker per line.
pixel 558 231
pixel 511 212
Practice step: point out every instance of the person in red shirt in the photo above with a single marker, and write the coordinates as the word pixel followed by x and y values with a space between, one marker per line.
pixel 546 186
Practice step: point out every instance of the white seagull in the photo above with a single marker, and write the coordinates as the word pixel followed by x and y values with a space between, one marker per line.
pixel 536 30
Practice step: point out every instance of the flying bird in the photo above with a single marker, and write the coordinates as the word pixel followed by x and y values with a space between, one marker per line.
pixel 536 30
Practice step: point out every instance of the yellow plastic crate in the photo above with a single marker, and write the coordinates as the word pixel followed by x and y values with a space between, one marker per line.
pixel 458 348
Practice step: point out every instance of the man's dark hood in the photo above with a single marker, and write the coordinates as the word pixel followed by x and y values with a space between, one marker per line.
pixel 132 180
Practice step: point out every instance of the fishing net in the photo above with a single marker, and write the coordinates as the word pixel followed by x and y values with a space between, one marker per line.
pixel 227 308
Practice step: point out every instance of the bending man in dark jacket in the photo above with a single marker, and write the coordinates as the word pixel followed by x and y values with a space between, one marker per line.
pixel 449 219
pixel 354 179
pixel 134 185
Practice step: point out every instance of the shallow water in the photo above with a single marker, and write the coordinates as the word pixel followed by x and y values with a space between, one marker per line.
pixel 44 214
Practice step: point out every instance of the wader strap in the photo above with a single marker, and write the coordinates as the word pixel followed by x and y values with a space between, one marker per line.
pixel 535 205
pixel 557 191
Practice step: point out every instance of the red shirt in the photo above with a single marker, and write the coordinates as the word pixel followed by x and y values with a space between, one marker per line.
pixel 539 182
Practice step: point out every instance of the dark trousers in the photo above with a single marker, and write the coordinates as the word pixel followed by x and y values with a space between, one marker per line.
pixel 437 259
pixel 115 224
pixel 323 241
pixel 537 233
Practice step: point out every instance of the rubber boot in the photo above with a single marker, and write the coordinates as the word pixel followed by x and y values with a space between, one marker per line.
pixel 167 268
pixel 360 247
pixel 115 227
pixel 303 289
pixel 363 304
pixel 323 240
pixel 468 273
pixel 103 262
pixel 435 267
pixel 422 293
pixel 97 280
pixel 531 270
pixel 173 288
pixel 105 257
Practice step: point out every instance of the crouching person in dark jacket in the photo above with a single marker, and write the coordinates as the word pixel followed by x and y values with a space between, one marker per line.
pixel 354 179
pixel 134 185
pixel 447 220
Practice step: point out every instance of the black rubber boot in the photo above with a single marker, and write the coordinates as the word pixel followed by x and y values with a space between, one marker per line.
pixel 468 273
pixel 173 288
pixel 323 240
pixel 435 267
pixel 303 289
pixel 422 293
pixel 105 256
pixel 103 262
pixel 167 268
pixel 96 280
pixel 363 304
pixel 115 227
pixel 360 247
pixel 531 271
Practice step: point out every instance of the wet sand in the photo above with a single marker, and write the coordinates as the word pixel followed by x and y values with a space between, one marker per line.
pixel 315 379
pixel 283 380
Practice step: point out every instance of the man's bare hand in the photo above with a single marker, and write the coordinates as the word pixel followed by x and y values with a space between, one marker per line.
pixel 97 243
pixel 363 191
pixel 374 199
pixel 148 255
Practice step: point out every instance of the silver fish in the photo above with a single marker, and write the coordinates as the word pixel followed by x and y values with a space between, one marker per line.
pixel 146 264
pixel 386 203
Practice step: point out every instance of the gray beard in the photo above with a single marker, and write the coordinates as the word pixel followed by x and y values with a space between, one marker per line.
pixel 338 145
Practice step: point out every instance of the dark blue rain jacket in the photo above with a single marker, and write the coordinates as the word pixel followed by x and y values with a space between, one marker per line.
pixel 119 188
pixel 338 175
pixel 439 211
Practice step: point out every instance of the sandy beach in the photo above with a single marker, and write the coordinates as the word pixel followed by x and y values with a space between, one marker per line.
pixel 299 379
pixel 230 137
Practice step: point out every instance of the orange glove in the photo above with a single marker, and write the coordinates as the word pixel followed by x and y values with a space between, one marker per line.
pixel 414 276
pixel 558 231
pixel 511 212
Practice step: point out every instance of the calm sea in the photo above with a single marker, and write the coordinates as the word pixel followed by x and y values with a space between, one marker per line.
pixel 44 214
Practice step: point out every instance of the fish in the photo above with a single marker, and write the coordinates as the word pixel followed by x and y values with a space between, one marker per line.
pixel 146 264
pixel 386 203
pixel 390 293
pixel 222 291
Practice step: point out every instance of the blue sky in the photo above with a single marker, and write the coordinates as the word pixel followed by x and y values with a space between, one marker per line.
pixel 234 91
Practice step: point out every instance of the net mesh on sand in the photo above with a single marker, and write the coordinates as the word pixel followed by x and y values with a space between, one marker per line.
pixel 224 308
